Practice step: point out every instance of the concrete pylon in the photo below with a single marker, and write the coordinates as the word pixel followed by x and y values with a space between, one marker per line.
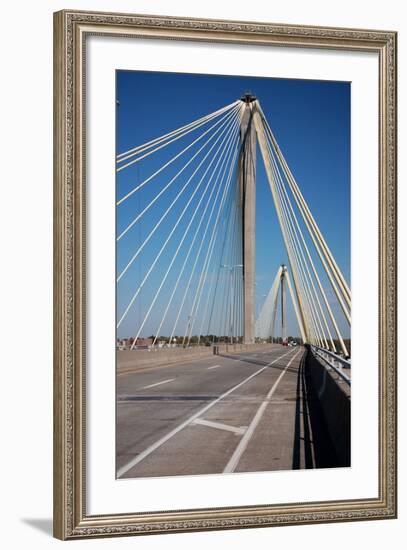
pixel 283 307
pixel 247 180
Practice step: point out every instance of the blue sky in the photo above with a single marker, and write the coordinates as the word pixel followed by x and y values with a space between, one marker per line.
pixel 311 122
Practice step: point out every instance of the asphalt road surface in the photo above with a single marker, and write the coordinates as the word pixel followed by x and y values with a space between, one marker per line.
pixel 237 413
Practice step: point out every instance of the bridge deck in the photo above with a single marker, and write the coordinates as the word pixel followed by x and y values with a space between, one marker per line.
pixel 246 413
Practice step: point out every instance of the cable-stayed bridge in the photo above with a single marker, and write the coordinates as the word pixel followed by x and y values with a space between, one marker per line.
pixel 186 256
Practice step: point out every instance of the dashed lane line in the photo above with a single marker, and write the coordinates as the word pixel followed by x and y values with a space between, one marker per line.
pixel 158 384
pixel 130 370
pixel 144 454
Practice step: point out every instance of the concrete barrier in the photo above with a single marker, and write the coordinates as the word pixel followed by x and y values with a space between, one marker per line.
pixel 129 361
pixel 242 348
pixel 334 396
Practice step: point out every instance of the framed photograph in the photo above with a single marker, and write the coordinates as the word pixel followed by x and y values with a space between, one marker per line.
pixel 225 254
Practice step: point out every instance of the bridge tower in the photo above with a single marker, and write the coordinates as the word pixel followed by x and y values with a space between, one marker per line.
pixel 247 179
pixel 283 306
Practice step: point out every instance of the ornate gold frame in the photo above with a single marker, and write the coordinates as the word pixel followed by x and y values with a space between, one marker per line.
pixel 70 31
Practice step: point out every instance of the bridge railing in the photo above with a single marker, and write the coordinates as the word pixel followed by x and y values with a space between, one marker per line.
pixel 337 362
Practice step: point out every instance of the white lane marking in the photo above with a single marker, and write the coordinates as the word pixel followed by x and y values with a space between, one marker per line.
pixel 132 370
pixel 220 426
pixel 141 456
pixel 240 449
pixel 158 384
pixel 151 368
pixel 214 367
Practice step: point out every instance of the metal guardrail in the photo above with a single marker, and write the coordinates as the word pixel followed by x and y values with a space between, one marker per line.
pixel 337 362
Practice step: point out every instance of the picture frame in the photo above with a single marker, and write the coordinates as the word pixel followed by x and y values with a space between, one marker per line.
pixel 72 29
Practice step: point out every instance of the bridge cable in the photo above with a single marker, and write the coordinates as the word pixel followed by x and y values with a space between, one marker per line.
pixel 215 187
pixel 304 209
pixel 267 161
pixel 174 178
pixel 140 158
pixel 329 274
pixel 141 148
pixel 316 275
pixel 321 289
pixel 293 229
pixel 198 255
pixel 209 292
pixel 308 218
pixel 223 135
pixel 175 157
pixel 306 291
pixel 294 301
pixel 180 217
pixel 269 303
pixel 197 296
pixel 183 237
pixel 201 284
pixel 300 259
pixel 219 272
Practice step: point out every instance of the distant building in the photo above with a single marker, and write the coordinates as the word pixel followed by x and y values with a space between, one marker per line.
pixel 144 342
pixel 126 343
pixel 123 343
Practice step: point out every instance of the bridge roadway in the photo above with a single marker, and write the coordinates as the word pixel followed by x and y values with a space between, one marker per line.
pixel 231 413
